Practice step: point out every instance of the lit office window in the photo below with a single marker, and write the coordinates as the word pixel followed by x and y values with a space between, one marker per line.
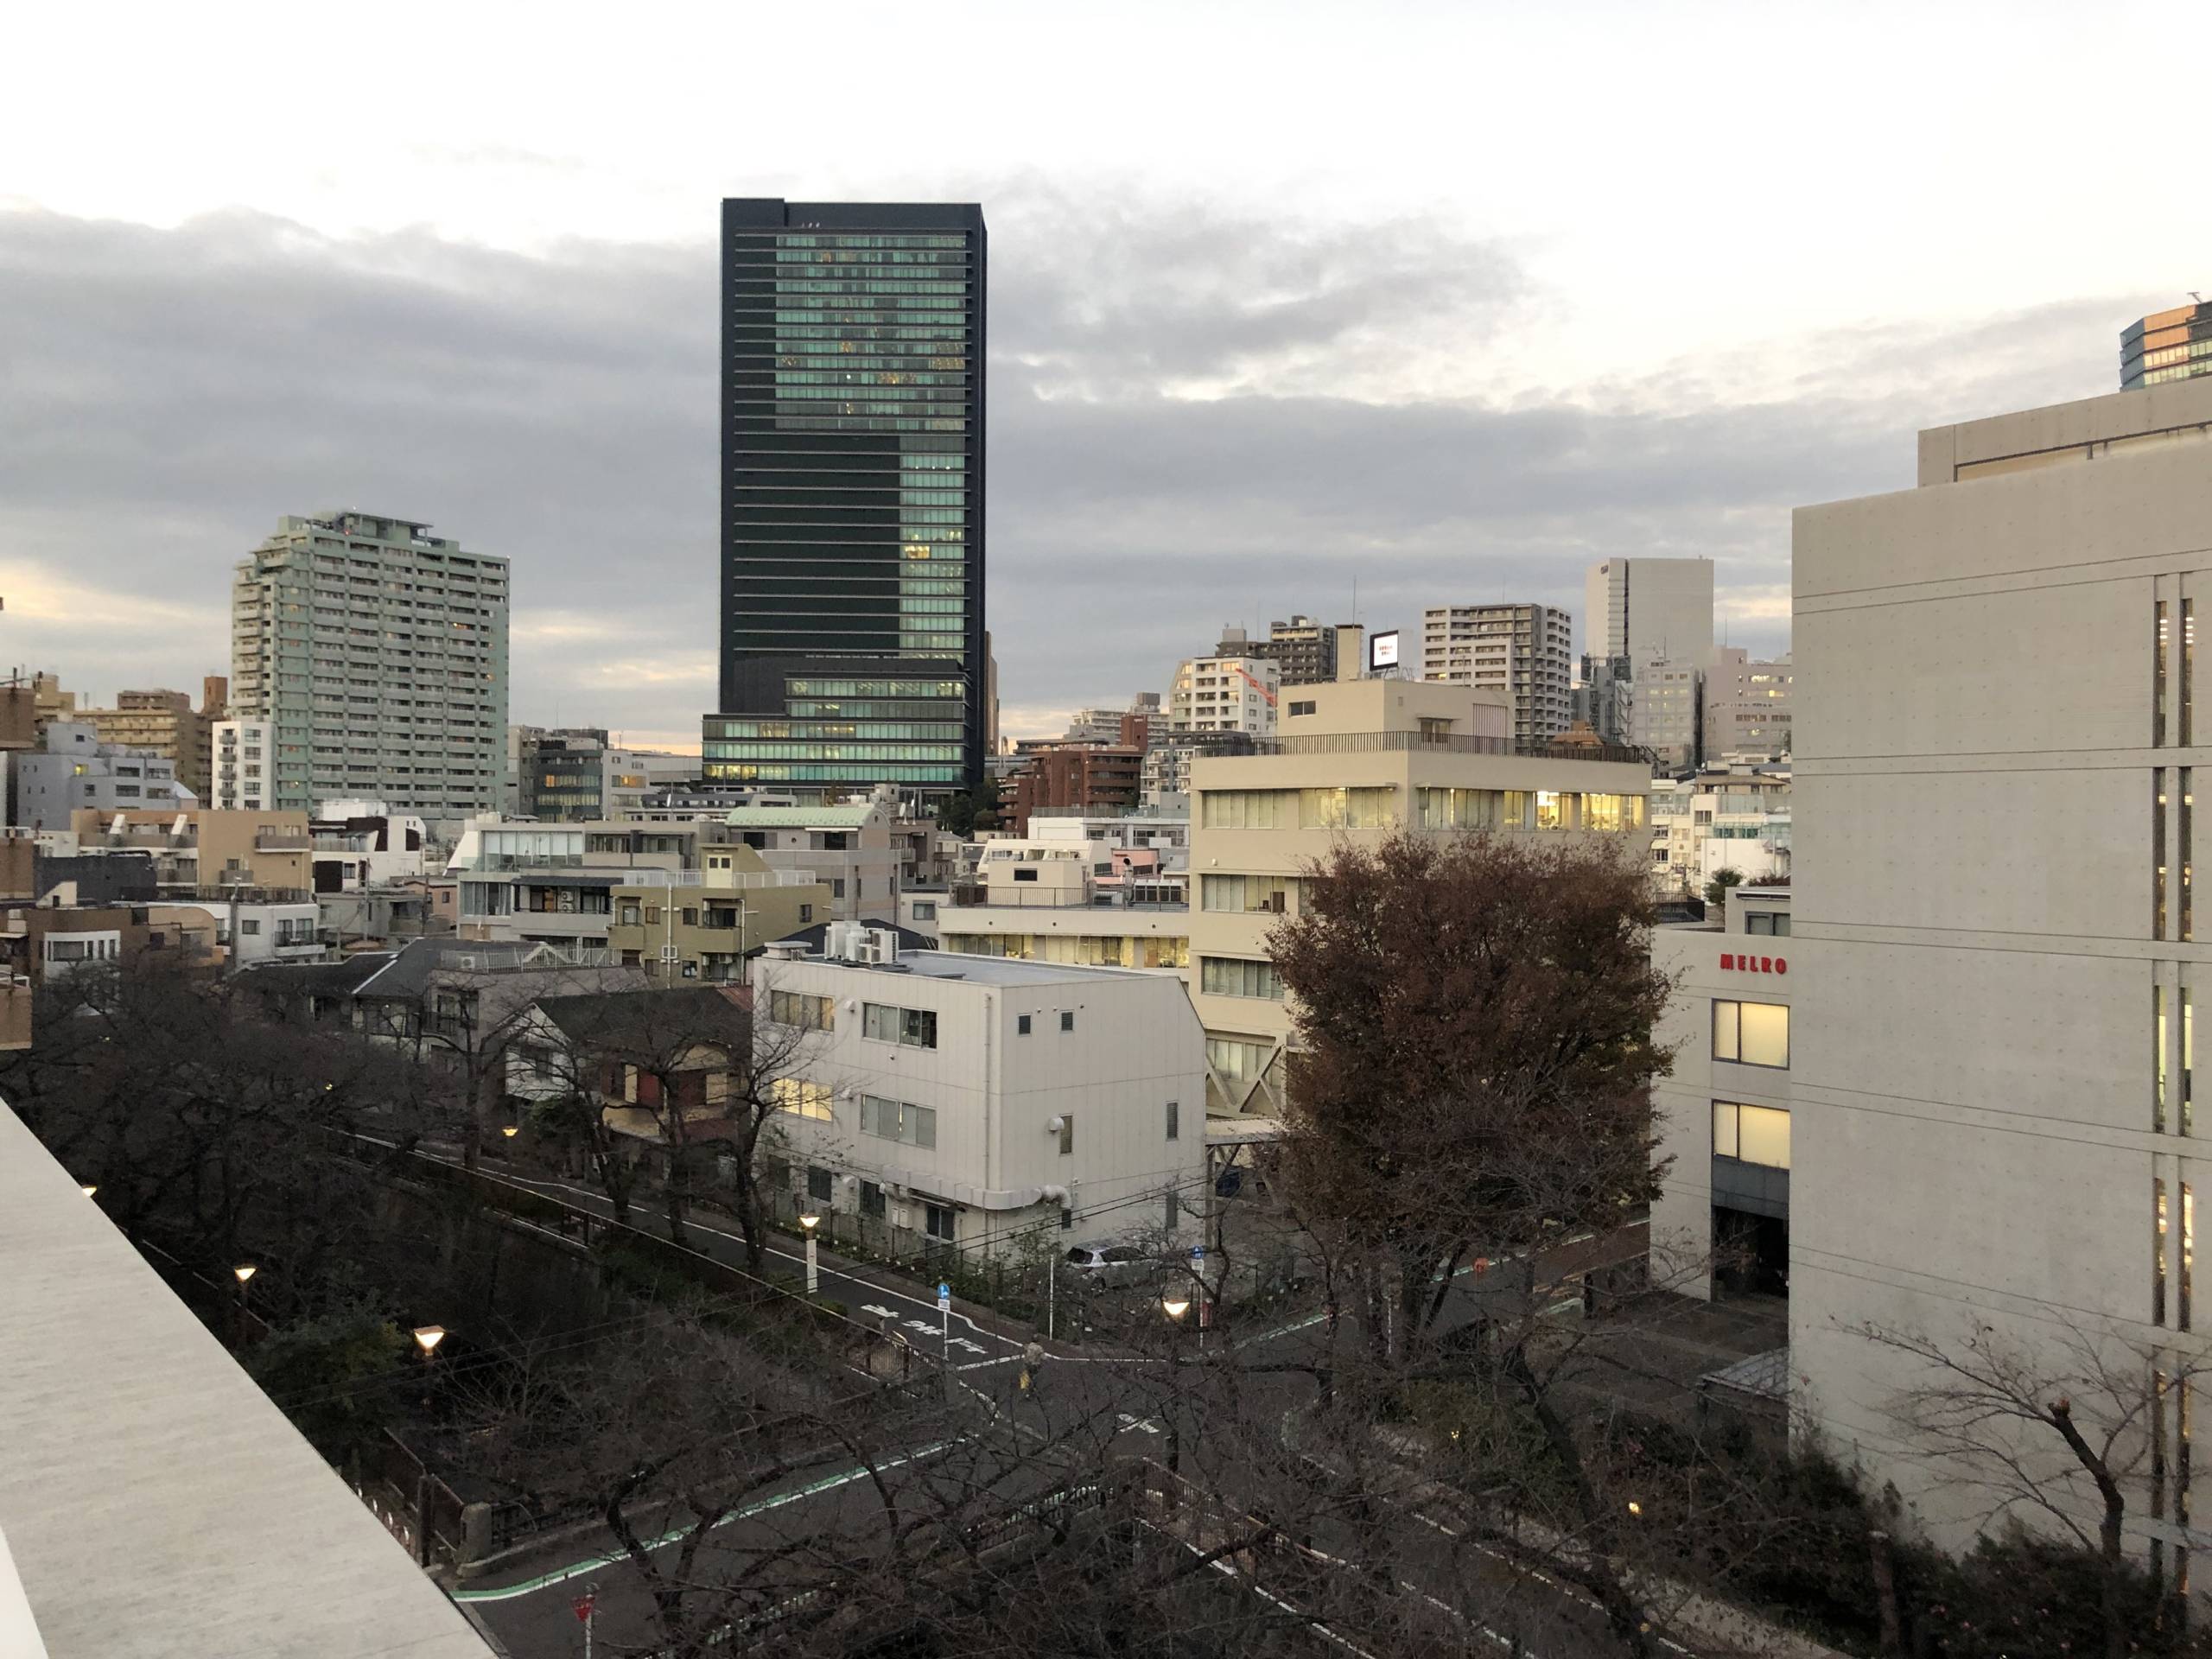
pixel 2159 676
pixel 2188 668
pixel 2158 852
pixel 1752 1135
pixel 2182 836
pixel 1750 1033
pixel 2160 1082
pixel 2157 1251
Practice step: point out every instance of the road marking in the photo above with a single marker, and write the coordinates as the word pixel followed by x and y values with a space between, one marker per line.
pixel 1143 1425
pixel 576 1569
pixel 1572 1592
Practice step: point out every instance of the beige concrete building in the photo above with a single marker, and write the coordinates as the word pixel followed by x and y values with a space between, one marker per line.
pixel 1525 651
pixel 1663 709
pixel 1724 1109
pixel 702 924
pixel 1226 694
pixel 165 723
pixel 1079 901
pixel 206 851
pixel 1991 1057
pixel 855 846
pixel 1747 705
pixel 1356 759
pixel 1645 609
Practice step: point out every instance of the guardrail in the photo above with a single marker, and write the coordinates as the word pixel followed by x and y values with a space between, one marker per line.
pixel 1393 742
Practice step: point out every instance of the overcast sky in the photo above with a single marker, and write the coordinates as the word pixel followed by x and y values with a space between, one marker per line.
pixel 1444 301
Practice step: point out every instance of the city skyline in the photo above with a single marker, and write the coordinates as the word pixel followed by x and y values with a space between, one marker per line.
pixel 508 326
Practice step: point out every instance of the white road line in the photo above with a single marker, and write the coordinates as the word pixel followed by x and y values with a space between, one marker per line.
pixel 1572 1592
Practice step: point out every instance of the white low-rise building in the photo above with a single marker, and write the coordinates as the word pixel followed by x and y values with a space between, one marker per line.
pixel 980 1102
pixel 1732 818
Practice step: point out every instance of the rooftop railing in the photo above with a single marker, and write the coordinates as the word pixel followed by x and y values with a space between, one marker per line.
pixel 1451 743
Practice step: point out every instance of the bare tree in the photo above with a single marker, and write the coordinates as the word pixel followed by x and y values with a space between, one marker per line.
pixel 2059 1433
pixel 203 1122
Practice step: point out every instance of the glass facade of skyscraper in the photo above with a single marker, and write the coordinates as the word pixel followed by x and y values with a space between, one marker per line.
pixel 852 513
pixel 2174 344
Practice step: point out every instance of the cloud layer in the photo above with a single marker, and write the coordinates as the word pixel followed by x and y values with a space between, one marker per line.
pixel 1197 418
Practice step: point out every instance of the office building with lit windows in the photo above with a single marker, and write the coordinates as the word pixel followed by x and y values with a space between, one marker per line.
pixel 2166 345
pixel 1987 1047
pixel 853 654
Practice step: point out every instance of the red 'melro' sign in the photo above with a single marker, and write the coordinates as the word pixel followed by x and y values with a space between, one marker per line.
pixel 1734 964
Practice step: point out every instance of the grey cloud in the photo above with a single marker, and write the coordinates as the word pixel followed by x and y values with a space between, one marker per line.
pixel 165 394
pixel 1102 296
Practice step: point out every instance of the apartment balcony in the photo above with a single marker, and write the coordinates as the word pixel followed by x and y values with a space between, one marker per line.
pixel 975 895
pixel 1389 742
pixel 282 841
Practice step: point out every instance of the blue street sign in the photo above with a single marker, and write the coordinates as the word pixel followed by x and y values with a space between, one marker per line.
pixel 1197 1252
pixel 944 1294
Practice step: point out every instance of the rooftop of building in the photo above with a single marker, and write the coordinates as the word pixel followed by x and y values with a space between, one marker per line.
pixel 2150 419
pixel 1002 971
pixel 650 1019
pixel 164 1505
pixel 797 817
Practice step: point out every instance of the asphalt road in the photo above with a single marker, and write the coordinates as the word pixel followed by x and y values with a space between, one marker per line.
pixel 1091 1405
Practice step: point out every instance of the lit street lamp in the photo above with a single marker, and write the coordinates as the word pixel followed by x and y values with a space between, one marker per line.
pixel 89 1190
pixel 511 1130
pixel 244 1271
pixel 428 1337
pixel 1175 1308
pixel 807 1224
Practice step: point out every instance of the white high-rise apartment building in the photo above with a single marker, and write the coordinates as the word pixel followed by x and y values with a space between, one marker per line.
pixel 1974 1057
pixel 245 766
pixel 1647 608
pixel 1226 694
pixel 1524 650
pixel 378 652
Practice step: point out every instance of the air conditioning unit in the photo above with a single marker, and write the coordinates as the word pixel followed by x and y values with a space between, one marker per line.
pixel 876 945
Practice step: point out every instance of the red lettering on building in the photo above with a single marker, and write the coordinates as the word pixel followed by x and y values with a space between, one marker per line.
pixel 1732 963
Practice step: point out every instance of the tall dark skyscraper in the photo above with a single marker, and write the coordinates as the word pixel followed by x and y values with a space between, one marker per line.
pixel 852 503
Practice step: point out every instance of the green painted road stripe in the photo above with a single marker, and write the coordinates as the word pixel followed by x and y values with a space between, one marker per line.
pixel 593 1564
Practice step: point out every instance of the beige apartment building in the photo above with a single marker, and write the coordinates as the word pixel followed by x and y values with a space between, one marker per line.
pixel 202 851
pixel 1356 759
pixel 702 924
pixel 1991 995
pixel 166 723
pixel 1080 901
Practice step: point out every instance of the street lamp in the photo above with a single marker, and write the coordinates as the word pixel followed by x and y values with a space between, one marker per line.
pixel 1175 1308
pixel 511 1130
pixel 428 1337
pixel 89 1190
pixel 244 1271
pixel 807 1224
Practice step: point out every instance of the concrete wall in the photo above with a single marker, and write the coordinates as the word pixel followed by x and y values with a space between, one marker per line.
pixel 1973 1072
pixel 1134 1047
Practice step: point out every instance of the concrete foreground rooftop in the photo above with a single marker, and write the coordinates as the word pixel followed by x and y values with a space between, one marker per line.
pixel 153 1501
